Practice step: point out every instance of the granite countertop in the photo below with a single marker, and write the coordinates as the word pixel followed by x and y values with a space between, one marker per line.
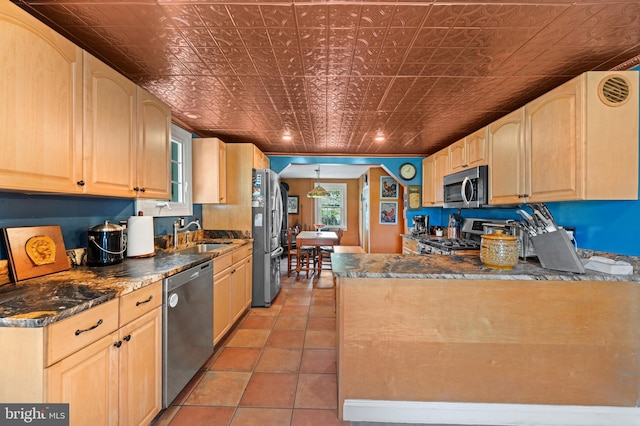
pixel 40 301
pixel 465 267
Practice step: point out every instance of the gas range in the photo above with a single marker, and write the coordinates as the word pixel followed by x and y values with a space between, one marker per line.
pixel 446 245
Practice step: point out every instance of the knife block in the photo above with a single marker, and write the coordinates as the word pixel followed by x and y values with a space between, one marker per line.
pixel 555 251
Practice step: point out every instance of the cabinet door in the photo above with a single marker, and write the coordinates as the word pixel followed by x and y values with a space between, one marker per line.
pixel 260 160
pixel 428 182
pixel 41 108
pixel 553 148
pixel 249 281
pixel 209 165
pixel 140 358
pixel 154 147
pixel 506 156
pixel 477 148
pixel 221 304
pixel 458 156
pixel 88 381
pixel 238 289
pixel 110 130
pixel 441 166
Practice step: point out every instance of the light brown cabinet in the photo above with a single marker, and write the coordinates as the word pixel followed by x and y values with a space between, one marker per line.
pixel 209 165
pixel 409 246
pixel 75 125
pixel 109 131
pixel 232 289
pixel 559 146
pixel 441 169
pixel 41 108
pixel 260 160
pixel 428 182
pixel 154 147
pixel 469 152
pixel 106 362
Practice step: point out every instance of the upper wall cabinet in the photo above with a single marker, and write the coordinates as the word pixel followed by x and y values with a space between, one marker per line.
pixel 41 107
pixel 153 179
pixel 260 160
pixel 471 151
pixel 576 142
pixel 209 171
pixel 110 130
pixel 428 182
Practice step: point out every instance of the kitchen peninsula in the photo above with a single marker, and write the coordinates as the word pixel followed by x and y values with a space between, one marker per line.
pixel 444 339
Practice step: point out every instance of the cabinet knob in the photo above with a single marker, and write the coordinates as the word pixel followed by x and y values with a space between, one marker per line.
pixel 118 343
pixel 80 183
pixel 135 188
pixel 127 338
pixel 142 190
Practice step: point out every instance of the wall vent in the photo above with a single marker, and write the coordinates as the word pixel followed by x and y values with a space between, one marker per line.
pixel 614 90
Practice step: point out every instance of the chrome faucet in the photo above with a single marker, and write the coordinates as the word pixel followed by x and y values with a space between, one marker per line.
pixel 177 228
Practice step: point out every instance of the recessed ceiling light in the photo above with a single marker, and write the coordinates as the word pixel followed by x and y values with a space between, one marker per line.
pixel 190 115
pixel 286 137
pixel 379 138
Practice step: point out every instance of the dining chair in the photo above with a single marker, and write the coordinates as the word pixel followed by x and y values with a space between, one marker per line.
pixel 306 255
pixel 325 251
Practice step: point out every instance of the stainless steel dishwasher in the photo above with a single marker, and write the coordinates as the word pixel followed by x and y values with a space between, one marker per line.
pixel 187 327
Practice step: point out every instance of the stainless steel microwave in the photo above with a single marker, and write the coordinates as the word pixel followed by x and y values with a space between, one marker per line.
pixel 467 189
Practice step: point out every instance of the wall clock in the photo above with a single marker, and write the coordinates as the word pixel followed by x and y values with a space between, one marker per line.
pixel 407 171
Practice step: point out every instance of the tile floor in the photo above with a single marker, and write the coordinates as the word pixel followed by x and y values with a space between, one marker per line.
pixel 278 367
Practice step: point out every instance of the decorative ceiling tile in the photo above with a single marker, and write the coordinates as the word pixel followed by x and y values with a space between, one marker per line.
pixel 334 74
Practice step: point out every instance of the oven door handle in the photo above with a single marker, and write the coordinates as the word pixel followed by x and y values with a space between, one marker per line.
pixel 463 191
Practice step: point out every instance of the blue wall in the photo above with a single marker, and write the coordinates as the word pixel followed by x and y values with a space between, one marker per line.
pixel 74 214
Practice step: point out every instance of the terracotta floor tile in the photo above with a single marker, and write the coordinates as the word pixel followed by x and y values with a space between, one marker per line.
pixel 324 292
pixel 203 415
pixel 254 338
pixel 318 361
pixel 259 321
pixel 219 388
pixel 323 301
pixel 291 323
pixel 300 291
pixel 276 390
pixel 279 300
pixel 321 323
pixel 293 299
pixel 186 391
pixel 279 360
pixel 317 391
pixel 309 417
pixel 236 359
pixel 286 339
pixel 322 311
pixel 165 416
pixel 270 311
pixel 294 310
pixel 262 416
pixel 319 339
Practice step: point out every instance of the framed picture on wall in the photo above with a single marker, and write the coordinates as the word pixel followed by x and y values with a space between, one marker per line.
pixel 388 212
pixel 292 204
pixel 388 188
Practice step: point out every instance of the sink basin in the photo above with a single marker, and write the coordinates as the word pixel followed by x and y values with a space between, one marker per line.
pixel 202 248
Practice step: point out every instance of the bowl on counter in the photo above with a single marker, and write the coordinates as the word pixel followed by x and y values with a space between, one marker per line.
pixel 499 251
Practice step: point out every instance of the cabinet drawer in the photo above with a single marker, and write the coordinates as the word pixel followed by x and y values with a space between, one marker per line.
pixel 220 263
pixel 410 244
pixel 71 334
pixel 139 302
pixel 242 252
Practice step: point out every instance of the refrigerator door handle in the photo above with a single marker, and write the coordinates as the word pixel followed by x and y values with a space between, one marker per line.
pixel 277 252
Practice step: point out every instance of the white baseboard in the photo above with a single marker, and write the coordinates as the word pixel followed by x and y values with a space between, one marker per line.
pixel 454 413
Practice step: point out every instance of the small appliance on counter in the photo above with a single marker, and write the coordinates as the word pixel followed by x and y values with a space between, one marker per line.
pixel 106 244
pixel 420 225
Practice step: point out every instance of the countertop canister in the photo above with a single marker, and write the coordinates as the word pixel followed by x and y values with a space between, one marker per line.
pixel 498 250
pixel 140 236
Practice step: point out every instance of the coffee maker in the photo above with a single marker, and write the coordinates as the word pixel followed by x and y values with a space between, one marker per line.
pixel 420 225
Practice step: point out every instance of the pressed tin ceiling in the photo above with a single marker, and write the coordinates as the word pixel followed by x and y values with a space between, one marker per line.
pixel 336 74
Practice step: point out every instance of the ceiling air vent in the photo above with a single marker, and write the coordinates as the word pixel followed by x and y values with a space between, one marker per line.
pixel 614 90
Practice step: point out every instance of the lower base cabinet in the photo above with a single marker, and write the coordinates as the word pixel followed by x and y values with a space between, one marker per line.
pixel 105 362
pixel 232 289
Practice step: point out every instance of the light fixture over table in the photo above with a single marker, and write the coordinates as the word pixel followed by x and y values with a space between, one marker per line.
pixel 318 191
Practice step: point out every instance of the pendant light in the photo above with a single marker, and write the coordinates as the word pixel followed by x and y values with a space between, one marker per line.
pixel 318 191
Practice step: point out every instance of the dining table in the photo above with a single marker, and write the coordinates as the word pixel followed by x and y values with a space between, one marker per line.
pixel 315 239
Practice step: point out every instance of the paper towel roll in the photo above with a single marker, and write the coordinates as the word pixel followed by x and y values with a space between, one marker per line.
pixel 140 236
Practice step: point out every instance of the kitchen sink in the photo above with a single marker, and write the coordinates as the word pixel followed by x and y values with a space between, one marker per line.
pixel 202 248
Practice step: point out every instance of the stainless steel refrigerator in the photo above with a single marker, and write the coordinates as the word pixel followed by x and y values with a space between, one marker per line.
pixel 267 211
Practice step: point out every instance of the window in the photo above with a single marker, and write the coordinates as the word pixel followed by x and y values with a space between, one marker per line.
pixel 181 199
pixel 332 211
